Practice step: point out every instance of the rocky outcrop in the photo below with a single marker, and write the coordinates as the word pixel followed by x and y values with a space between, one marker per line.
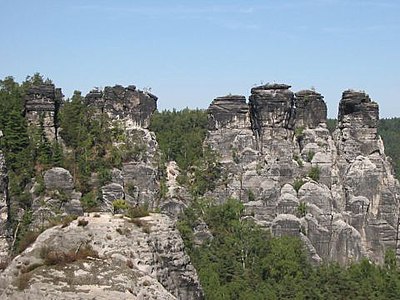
pixel 337 193
pixel 58 179
pixel 4 205
pixel 143 259
pixel 124 103
pixel 42 103
pixel 130 110
pixel 55 197
pixel 311 109
pixel 230 111
pixel 357 132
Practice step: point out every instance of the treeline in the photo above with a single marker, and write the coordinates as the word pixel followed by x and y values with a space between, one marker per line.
pixel 389 129
pixel 87 148
pixel 240 260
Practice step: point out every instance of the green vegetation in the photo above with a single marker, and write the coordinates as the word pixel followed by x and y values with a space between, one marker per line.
pixel 331 124
pixel 389 129
pixel 302 209
pixel 310 155
pixel 242 261
pixel 119 205
pixel 180 135
pixel 314 173
pixel 298 183
pixel 299 133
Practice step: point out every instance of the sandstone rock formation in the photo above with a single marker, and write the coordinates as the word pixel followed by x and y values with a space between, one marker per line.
pixel 143 259
pixel 336 192
pixel 124 103
pixel 4 204
pixel 130 110
pixel 58 198
pixel 42 103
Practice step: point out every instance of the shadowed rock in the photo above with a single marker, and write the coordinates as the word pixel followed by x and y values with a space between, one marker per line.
pixel 310 109
pixel 357 132
pixel 228 111
pixel 42 103
pixel 124 103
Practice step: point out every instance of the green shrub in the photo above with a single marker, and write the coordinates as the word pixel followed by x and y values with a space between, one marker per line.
pixel 119 205
pixel 89 201
pixel 310 155
pixel 298 183
pixel 137 211
pixel 250 195
pixel 302 209
pixel 299 133
pixel 314 173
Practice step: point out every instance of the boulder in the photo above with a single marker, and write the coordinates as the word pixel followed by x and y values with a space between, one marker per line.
pixel 58 179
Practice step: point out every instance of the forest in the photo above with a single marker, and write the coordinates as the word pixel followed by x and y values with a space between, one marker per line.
pixel 241 260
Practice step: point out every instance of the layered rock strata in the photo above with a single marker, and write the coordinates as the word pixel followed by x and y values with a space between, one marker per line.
pixel 124 103
pixel 337 193
pixel 42 103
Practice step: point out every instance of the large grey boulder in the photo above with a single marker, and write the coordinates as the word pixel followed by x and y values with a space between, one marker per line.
pixel 58 179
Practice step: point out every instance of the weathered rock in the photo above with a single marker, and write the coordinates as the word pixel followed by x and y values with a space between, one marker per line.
pixel 145 260
pixel 311 109
pixel 140 182
pixel 349 201
pixel 4 205
pixel 58 179
pixel 357 132
pixel 111 192
pixel 122 103
pixel 229 111
pixel 58 198
pixel 42 103
pixel 271 106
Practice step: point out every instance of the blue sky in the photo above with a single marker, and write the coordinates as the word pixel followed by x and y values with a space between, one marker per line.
pixel 189 52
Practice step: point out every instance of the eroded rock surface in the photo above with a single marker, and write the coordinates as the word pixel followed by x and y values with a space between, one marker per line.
pixel 143 259
pixel 4 205
pixel 124 103
pixel 337 193
pixel 42 103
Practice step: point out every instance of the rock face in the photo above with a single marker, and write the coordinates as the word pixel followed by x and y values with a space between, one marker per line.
pixel 311 110
pixel 357 125
pixel 57 198
pixel 336 192
pixel 139 260
pixel 131 109
pixel 4 205
pixel 42 103
pixel 124 103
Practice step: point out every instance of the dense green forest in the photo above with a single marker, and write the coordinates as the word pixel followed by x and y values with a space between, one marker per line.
pixel 241 260
pixel 389 129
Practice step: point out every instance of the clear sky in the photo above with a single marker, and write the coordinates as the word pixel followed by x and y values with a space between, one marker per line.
pixel 189 52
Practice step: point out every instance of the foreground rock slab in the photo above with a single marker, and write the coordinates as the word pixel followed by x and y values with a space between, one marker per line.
pixel 142 258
